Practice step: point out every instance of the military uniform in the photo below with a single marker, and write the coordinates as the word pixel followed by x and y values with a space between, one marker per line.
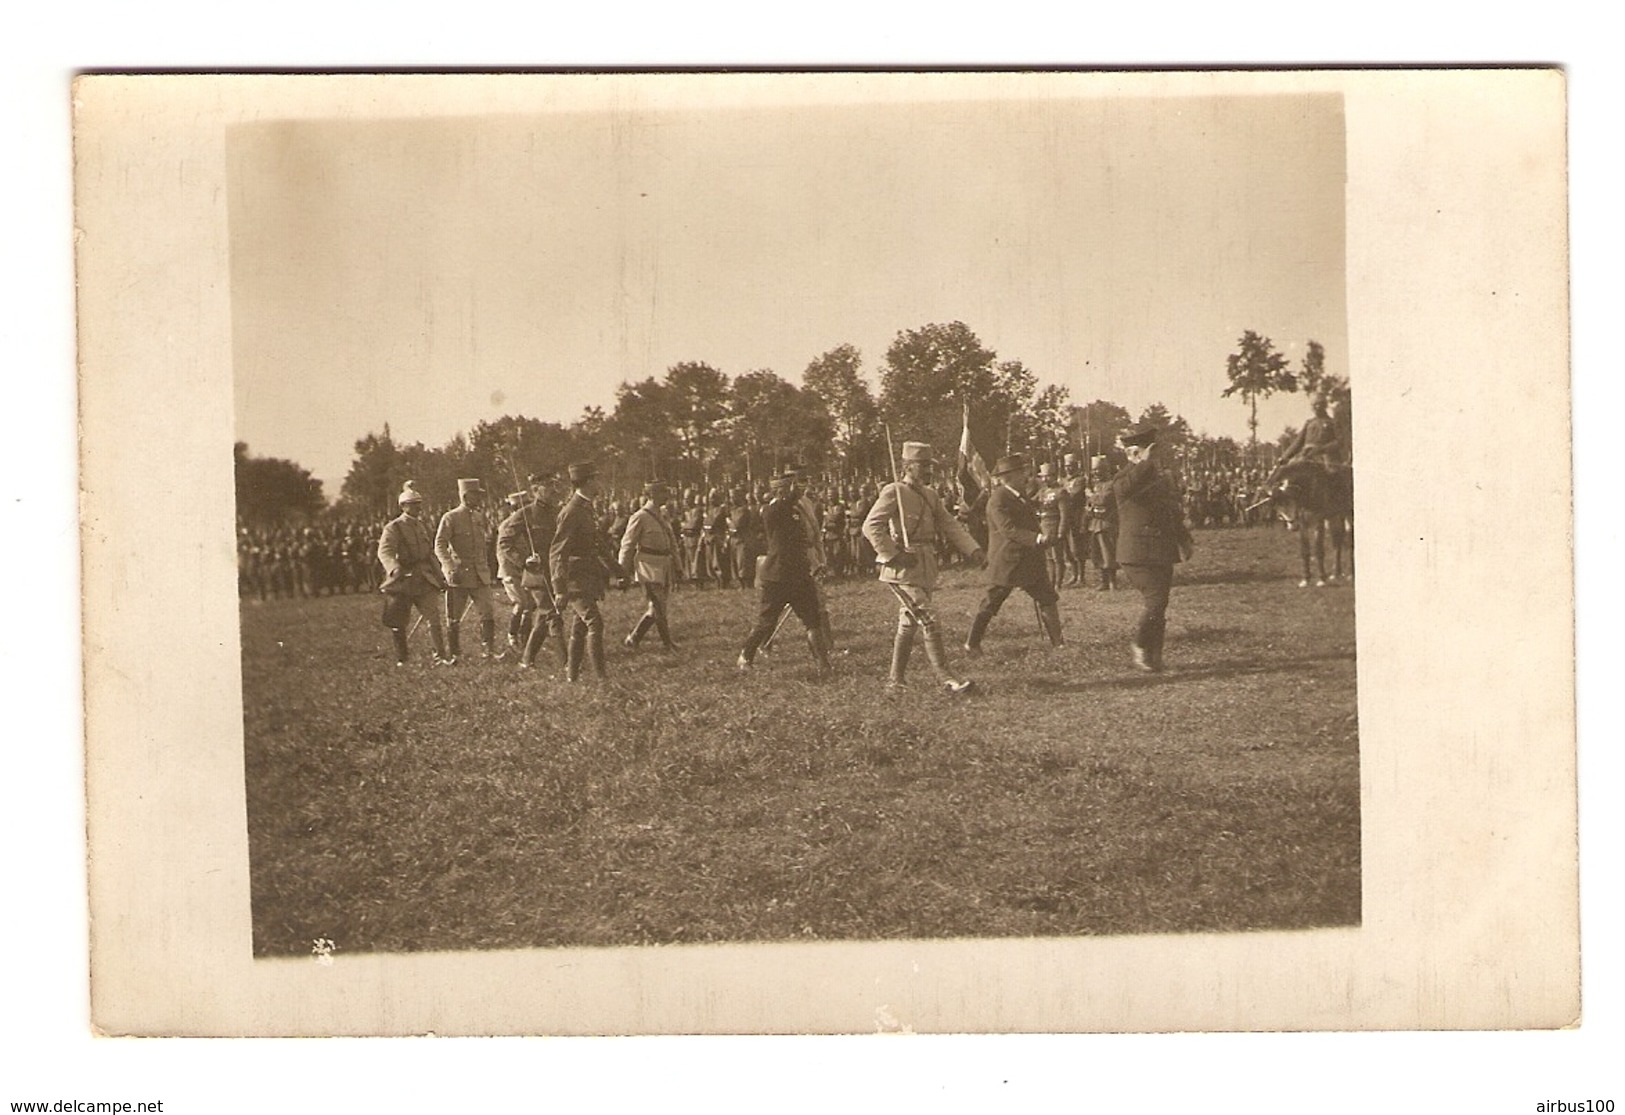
pixel 522 540
pixel 648 554
pixel 916 512
pixel 412 576
pixel 1055 521
pixel 581 573
pixel 463 545
pixel 1101 524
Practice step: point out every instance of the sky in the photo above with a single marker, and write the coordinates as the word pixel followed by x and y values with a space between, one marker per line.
pixel 431 273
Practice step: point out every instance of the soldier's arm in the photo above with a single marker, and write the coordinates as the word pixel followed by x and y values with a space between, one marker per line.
pixel 629 540
pixel 443 548
pixel 999 518
pixel 877 524
pixel 388 551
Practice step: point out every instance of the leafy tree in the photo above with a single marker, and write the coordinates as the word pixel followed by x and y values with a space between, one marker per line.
pixel 642 429
pixel 836 378
pixel 272 491
pixel 1256 372
pixel 933 371
pixel 373 482
pixel 1176 432
pixel 776 423
pixel 1099 425
pixel 1314 368
pixel 517 448
pixel 1050 421
pixel 698 402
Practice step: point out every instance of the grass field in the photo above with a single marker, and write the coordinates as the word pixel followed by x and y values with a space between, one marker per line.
pixel 482 807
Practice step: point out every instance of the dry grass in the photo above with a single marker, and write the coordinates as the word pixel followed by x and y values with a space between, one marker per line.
pixel 481 807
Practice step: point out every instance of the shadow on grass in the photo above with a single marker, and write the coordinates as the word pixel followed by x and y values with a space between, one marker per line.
pixel 1234 577
pixel 1240 668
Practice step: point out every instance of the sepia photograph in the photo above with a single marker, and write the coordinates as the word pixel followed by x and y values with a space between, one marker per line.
pixel 684 461
pixel 828 553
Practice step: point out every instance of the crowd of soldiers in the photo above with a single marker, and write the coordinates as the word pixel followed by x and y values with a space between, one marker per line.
pixel 719 530
pixel 333 557
pixel 555 547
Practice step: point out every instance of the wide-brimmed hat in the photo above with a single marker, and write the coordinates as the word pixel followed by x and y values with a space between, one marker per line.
pixel 1141 433
pixel 583 470
pixel 1012 463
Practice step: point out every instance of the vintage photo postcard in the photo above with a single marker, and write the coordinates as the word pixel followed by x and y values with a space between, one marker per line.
pixel 631 553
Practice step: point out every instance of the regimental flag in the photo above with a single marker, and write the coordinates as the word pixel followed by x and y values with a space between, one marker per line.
pixel 974 475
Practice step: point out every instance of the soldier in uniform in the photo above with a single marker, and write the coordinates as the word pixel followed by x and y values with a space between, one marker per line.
pixel 522 542
pixel 1054 522
pixel 1151 539
pixel 696 560
pixel 463 545
pixel 744 538
pixel 648 555
pixel 581 572
pixel 1015 554
pixel 1318 441
pixel 786 574
pixel 1076 537
pixel 716 540
pixel 912 509
pixel 412 577
pixel 1101 513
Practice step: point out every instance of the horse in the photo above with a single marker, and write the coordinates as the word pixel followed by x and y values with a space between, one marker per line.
pixel 1317 500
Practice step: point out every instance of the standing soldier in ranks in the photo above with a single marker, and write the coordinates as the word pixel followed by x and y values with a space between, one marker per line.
pixel 1152 540
pixel 411 576
pixel 522 541
pixel 581 572
pixel 786 574
pixel 648 555
pixel 904 526
pixel 693 527
pixel 463 546
pixel 1015 557
pixel 716 540
pixel 744 539
pixel 1053 522
pixel 857 510
pixel 1076 483
pixel 840 558
pixel 1102 516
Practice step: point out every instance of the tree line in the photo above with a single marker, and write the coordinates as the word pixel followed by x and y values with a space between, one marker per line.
pixel 696 427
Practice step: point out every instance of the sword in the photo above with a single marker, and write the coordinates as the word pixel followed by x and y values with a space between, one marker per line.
pixel 784 614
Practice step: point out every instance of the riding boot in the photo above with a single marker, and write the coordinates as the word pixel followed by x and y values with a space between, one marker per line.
pixel 902 645
pixel 1159 629
pixel 1050 614
pixel 399 638
pixel 820 651
pixel 572 655
pixel 488 635
pixel 595 651
pixel 645 621
pixel 938 657
pixel 664 631
pixel 516 621
pixel 439 644
pixel 978 628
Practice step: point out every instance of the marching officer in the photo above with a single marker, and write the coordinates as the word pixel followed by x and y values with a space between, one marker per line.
pixel 463 545
pixel 581 572
pixel 1015 554
pixel 648 555
pixel 786 574
pixel 1151 539
pixel 412 577
pixel 522 542
pixel 912 510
